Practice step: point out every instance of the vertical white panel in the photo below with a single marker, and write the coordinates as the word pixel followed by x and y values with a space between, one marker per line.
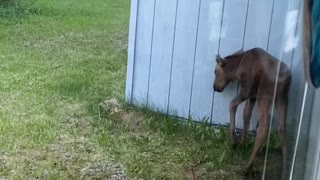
pixel 233 26
pixel 313 153
pixel 183 57
pixel 161 57
pixel 294 44
pixel 232 32
pixel 258 24
pixel 296 101
pixel 131 49
pixel 206 50
pixel 256 35
pixel 302 148
pixel 143 51
pixel 277 30
pixel 291 38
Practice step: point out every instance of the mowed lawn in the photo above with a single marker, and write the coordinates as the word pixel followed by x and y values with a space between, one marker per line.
pixel 59 60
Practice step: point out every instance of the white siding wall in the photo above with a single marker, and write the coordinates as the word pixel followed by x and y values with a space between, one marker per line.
pixel 173 43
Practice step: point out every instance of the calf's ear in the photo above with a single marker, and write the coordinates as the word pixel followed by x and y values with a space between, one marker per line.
pixel 218 59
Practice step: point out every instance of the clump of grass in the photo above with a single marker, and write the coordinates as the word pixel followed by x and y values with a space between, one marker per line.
pixel 16 8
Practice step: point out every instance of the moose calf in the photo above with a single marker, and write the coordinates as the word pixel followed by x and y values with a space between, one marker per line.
pixel 261 77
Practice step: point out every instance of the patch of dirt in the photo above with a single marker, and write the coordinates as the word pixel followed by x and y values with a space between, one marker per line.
pixel 75 118
pixel 120 40
pixel 86 158
pixel 110 106
pixel 69 156
pixel 131 120
pixel 58 40
pixel 66 157
pixel 102 170
pixel 231 172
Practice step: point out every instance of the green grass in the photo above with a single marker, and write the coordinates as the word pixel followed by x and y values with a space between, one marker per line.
pixel 59 60
pixel 153 145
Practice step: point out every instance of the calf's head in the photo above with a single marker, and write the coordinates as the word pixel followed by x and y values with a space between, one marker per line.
pixel 222 75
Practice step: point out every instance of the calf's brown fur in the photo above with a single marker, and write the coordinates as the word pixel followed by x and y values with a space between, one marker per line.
pixel 256 71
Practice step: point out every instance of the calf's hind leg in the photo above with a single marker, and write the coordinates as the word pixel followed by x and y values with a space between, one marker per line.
pixel 262 131
pixel 282 105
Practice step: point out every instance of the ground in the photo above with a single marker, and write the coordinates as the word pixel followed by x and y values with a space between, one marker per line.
pixel 62 115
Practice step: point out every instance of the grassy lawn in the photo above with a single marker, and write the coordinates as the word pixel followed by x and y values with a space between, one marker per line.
pixel 59 60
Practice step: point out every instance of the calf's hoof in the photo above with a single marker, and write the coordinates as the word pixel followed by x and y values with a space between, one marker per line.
pixel 284 176
pixel 232 140
pixel 246 170
pixel 243 141
pixel 232 143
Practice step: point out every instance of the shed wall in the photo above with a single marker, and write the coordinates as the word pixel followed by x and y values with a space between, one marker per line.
pixel 173 43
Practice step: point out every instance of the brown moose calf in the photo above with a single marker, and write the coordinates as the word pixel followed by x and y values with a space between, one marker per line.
pixel 261 77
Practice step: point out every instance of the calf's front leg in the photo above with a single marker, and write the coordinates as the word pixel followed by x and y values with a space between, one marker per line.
pixel 233 109
pixel 246 117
